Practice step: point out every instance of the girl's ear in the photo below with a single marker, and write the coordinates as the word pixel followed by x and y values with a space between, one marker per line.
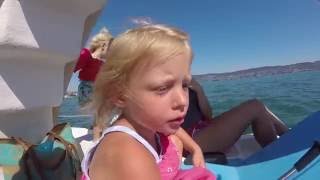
pixel 119 101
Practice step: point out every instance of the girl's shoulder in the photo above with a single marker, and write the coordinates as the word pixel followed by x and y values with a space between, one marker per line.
pixel 119 150
pixel 85 53
pixel 121 145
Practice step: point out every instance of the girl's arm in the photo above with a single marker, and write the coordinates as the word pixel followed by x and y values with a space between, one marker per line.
pixel 202 99
pixel 192 147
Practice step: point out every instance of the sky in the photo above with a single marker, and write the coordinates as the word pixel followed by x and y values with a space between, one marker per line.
pixel 228 35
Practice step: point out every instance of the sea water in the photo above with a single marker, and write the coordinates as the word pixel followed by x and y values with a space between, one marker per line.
pixel 291 97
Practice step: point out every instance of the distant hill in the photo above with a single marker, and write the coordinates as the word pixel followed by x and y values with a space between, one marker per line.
pixel 261 71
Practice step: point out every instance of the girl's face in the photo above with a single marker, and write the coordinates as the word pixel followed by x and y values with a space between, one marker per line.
pixel 100 53
pixel 159 95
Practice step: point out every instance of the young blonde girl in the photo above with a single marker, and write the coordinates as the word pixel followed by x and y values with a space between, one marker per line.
pixel 88 65
pixel 142 93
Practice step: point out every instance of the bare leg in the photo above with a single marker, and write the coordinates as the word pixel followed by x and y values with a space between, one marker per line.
pixel 227 128
pixel 281 128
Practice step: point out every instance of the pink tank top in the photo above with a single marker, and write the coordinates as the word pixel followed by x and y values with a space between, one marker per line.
pixel 168 161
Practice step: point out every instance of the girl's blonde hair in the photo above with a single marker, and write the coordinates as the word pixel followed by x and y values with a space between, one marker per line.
pixel 134 49
pixel 100 39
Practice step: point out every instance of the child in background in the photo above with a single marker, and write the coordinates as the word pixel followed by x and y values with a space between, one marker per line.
pixel 88 65
pixel 142 93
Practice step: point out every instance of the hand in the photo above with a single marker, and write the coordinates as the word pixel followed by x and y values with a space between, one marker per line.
pixel 198 159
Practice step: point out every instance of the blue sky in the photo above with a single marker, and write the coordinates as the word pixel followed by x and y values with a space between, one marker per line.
pixel 229 35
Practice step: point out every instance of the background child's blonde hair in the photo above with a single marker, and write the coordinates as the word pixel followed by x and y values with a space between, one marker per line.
pixel 133 49
pixel 100 39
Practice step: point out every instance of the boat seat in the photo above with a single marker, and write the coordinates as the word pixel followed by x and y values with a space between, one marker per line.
pixel 278 157
pixel 299 138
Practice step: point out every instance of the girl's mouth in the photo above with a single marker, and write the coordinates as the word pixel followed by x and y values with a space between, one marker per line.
pixel 178 120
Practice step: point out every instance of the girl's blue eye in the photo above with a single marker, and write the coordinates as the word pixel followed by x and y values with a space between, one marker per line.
pixel 186 85
pixel 162 90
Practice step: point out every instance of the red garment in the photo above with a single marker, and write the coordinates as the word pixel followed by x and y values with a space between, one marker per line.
pixel 88 66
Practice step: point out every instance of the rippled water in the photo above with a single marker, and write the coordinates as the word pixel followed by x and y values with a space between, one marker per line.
pixel 291 97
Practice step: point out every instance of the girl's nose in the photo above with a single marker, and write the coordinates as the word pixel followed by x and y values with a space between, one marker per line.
pixel 181 99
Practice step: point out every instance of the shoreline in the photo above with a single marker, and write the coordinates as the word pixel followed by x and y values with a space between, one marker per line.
pixel 261 71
